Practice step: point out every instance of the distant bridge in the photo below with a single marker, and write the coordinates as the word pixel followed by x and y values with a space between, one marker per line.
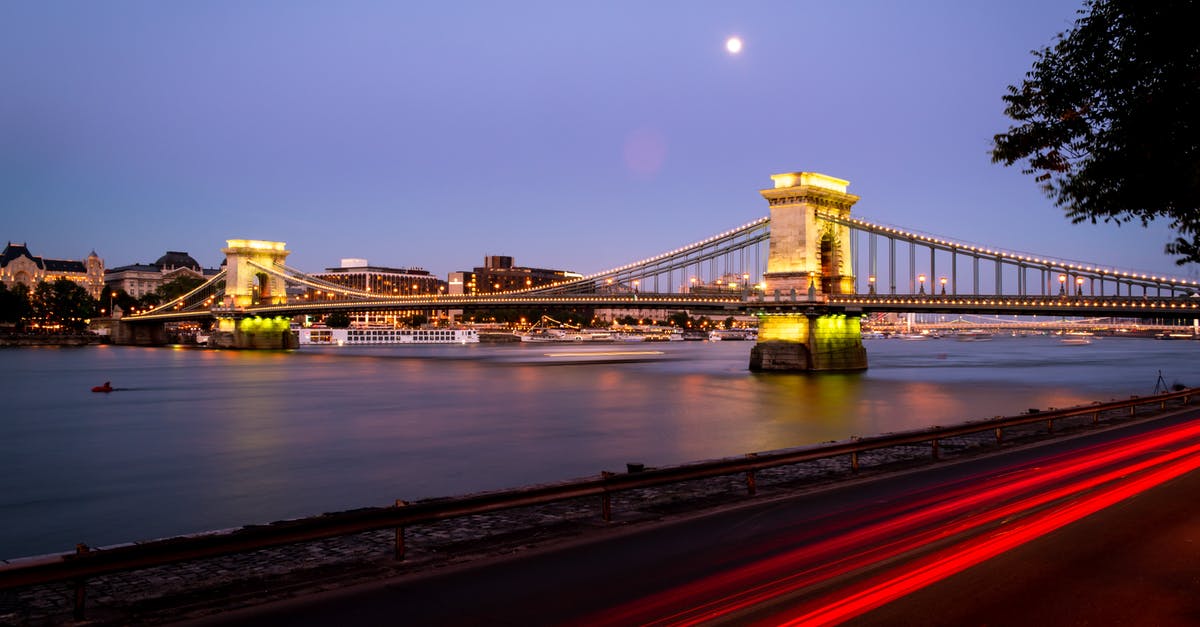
pixel 809 257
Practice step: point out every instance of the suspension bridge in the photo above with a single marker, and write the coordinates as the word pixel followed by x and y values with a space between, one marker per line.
pixel 808 270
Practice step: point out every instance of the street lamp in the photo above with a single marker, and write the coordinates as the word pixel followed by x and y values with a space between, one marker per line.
pixel 871 284
pixel 943 282
pixel 1079 286
pixel 921 280
pixel 111 296
pixel 1062 285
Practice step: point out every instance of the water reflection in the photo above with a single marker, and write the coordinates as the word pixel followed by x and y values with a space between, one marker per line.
pixel 212 439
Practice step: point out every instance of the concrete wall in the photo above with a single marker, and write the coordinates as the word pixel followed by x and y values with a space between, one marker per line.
pixel 139 334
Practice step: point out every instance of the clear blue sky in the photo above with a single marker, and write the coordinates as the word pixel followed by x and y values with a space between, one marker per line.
pixel 578 135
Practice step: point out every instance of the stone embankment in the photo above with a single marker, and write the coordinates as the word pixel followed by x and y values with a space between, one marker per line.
pixel 197 588
pixel 49 339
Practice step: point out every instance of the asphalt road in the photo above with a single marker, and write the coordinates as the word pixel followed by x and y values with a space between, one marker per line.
pixel 922 537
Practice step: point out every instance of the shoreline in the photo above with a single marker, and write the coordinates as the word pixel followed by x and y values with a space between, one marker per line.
pixel 11 340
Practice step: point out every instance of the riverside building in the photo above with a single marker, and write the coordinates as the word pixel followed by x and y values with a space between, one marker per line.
pixel 498 274
pixel 18 266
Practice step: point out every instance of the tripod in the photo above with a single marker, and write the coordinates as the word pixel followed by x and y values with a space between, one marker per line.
pixel 1160 386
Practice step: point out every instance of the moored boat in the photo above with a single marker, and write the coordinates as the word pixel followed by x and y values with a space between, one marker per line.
pixel 323 336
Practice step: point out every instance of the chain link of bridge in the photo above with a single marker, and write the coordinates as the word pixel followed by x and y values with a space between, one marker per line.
pixel 809 271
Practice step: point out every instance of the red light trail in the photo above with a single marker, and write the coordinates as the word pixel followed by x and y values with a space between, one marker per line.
pixel 852 562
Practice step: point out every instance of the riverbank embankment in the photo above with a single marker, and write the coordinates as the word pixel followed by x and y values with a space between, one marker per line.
pixel 49 339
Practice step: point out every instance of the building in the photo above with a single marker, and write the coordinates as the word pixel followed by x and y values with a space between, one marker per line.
pixel 360 275
pixel 140 279
pixel 20 267
pixel 498 274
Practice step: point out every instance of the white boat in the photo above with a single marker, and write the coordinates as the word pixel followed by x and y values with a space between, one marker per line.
pixel 726 335
pixel 1074 341
pixel 542 331
pixel 973 336
pixel 324 336
pixel 567 335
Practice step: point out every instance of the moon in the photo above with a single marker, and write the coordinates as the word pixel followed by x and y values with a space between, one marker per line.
pixel 733 45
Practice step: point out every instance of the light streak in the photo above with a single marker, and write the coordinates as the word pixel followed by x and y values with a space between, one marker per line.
pixel 1096 477
pixel 943 564
pixel 604 354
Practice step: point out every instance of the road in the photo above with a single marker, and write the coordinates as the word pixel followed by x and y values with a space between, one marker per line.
pixel 1098 529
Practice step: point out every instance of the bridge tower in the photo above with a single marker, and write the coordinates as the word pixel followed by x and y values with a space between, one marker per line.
pixel 809 258
pixel 246 285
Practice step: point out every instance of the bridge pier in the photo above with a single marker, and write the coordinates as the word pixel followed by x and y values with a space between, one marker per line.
pixel 254 333
pixel 138 334
pixel 808 342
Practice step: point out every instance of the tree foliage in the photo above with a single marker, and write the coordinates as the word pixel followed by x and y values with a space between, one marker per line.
pixel 63 304
pixel 15 308
pixel 1107 120
pixel 177 287
pixel 337 320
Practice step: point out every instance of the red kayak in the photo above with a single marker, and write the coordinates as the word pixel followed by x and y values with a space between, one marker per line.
pixel 107 387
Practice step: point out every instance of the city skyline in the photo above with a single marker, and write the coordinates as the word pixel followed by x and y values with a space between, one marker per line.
pixel 578 138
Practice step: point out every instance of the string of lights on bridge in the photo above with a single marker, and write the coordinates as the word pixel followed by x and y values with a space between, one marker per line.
pixel 523 295
pixel 1049 263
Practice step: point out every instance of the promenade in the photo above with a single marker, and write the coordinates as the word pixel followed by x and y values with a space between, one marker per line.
pixel 211 586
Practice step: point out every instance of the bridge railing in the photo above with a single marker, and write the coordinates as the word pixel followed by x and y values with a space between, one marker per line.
pixel 86 562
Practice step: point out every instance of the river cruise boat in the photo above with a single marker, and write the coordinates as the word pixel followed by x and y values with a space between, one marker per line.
pixel 727 335
pixel 319 336
pixel 973 336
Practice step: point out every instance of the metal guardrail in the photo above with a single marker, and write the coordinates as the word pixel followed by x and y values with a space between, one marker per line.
pixel 85 562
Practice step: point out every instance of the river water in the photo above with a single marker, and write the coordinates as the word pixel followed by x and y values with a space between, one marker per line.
pixel 194 439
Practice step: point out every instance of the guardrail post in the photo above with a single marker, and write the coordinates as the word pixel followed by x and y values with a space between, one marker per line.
pixel 1049 425
pixel 935 449
pixel 606 499
pixel 999 435
pixel 751 487
pixel 854 461
pixel 400 548
pixel 80 586
pixel 1095 417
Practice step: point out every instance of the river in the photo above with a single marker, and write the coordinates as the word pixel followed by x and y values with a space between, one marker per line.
pixel 195 439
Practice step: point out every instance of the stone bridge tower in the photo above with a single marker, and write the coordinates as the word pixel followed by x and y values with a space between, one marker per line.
pixel 246 285
pixel 805 250
pixel 809 258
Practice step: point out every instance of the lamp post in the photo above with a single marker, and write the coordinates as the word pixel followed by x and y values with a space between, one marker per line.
pixel 871 284
pixel 1079 286
pixel 943 282
pixel 921 280
pixel 111 296
pixel 1062 285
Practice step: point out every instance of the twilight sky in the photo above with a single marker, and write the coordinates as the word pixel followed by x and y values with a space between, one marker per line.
pixel 575 135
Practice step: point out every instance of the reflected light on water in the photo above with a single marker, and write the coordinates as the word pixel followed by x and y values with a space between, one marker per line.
pixel 214 439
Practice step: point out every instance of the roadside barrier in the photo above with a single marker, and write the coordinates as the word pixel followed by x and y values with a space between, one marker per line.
pixel 87 562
